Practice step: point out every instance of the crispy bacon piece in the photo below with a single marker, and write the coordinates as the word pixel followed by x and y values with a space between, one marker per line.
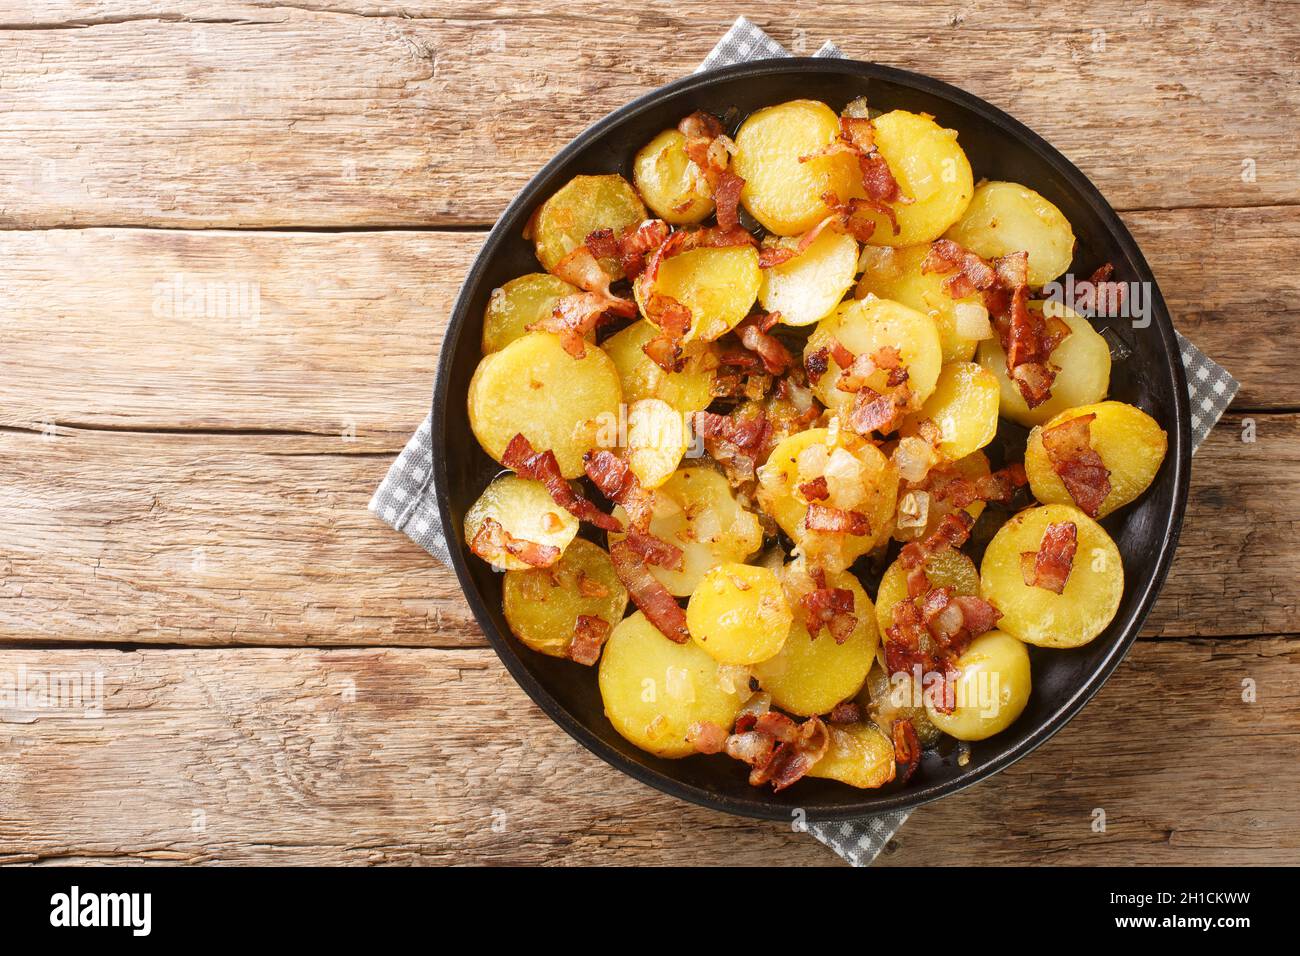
pixel 581 268
pixel 952 532
pixel 1098 295
pixel 739 442
pixel 774 253
pixel 656 603
pixel 710 150
pixel 491 539
pixel 907 749
pixel 653 551
pixel 1049 567
pixel 858 137
pixel 815 490
pixel 726 199
pixel 822 517
pixel 574 317
pixel 816 363
pixel 754 335
pixel 742 432
pixel 846 712
pixel 541 466
pixel 1080 468
pixel 589 636
pixel 706 737
pixel 874 411
pixel 970 272
pixel 778 750
pixel 831 608
pixel 946 483
pixel 630 246
pixel 611 475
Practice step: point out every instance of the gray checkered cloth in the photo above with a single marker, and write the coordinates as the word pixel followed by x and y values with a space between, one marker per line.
pixel 405 499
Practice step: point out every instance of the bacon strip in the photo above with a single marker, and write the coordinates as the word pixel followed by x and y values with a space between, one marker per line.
pixel 753 332
pixel 709 149
pixel 1049 567
pixel 831 608
pixel 846 712
pixel 907 749
pixel 946 483
pixel 951 532
pixel 541 466
pixel 630 246
pixel 971 274
pixel 589 636
pixel 1081 469
pixel 706 737
pixel 778 750
pixel 653 551
pixel 822 517
pixel 648 593
pixel 874 411
pixel 612 476
pixel 492 539
pixel 815 490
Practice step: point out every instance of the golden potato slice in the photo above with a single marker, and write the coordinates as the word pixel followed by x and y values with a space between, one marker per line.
pixel 964 406
pixel 945 569
pixel 859 755
pixel 1003 218
pixel 896 274
pixel 582 206
pixel 808 287
pixel 719 286
pixel 1083 358
pixel 518 304
pixel 811 675
pixel 780 192
pixel 864 326
pixel 657 438
pixel 696 511
pixel 992 690
pixel 1130 443
pixel 655 690
pixel 859 478
pixel 672 186
pixel 526 511
pixel 739 614
pixel 542 605
pixel 931 169
pixel 1037 615
pixel 690 390
pixel 535 388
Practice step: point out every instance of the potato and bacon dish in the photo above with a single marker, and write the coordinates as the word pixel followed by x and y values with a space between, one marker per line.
pixel 778 358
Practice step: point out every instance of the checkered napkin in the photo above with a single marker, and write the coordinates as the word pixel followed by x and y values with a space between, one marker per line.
pixel 405 500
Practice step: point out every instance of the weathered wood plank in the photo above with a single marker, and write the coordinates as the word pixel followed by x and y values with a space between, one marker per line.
pixel 256 539
pixel 386 119
pixel 340 331
pixel 406 756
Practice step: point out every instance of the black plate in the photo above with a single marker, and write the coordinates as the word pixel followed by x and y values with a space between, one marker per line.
pixel 999 148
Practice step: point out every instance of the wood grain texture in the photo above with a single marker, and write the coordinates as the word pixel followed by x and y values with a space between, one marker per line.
pixel 342 332
pixel 257 539
pixel 428 113
pixel 415 756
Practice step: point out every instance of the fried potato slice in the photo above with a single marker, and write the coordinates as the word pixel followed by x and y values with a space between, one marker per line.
pixel 583 205
pixel 1083 360
pixel 1131 445
pixel 535 388
pixel 718 285
pixel 782 193
pixel 526 512
pixel 654 690
pixel 1037 615
pixel 1003 218
pixel 739 614
pixel 991 690
pixel 518 304
pixel 542 605
pixel 672 186
pixel 808 287
pixel 931 170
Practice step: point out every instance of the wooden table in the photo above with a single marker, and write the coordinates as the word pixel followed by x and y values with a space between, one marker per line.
pixel 183 491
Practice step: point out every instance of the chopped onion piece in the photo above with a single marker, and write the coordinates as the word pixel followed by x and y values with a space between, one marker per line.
pixel 914 457
pixel 914 510
pixel 811 462
pixel 844 480
pixel 972 321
